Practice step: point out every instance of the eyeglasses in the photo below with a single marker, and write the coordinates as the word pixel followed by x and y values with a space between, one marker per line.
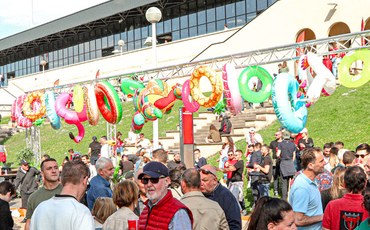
pixel 362 156
pixel 206 171
pixel 153 180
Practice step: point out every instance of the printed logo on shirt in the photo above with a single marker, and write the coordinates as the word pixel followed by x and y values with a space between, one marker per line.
pixel 350 220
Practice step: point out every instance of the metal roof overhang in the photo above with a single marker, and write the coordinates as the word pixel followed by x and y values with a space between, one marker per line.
pixel 85 20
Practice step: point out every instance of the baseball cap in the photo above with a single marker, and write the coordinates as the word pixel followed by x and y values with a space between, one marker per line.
pixel 304 130
pixel 154 169
pixel 24 162
pixel 252 130
pixel 147 155
pixel 94 138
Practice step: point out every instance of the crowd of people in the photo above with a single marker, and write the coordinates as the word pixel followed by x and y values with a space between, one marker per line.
pixel 312 187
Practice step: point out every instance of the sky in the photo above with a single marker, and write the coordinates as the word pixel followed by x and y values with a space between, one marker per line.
pixel 20 15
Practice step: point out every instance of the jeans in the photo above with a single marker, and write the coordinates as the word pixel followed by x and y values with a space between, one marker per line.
pixel 264 189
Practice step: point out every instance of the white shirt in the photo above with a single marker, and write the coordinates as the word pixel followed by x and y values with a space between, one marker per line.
pixel 62 213
pixel 132 137
pixel 104 151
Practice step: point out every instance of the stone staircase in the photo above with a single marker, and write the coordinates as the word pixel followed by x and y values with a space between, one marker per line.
pixel 257 118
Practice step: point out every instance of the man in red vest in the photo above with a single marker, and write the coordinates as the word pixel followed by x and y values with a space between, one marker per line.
pixel 161 211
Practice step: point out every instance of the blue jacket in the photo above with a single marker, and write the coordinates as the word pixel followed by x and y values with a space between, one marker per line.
pixel 229 204
pixel 99 187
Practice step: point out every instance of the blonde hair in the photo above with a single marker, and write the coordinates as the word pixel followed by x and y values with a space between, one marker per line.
pixel 103 208
pixel 338 183
pixel 125 193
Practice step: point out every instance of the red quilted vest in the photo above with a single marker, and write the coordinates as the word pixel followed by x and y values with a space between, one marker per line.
pixel 161 214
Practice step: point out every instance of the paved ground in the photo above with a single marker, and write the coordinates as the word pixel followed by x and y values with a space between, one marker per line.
pixel 14 204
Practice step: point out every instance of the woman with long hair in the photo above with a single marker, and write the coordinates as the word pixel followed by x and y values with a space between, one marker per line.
pixel 214 135
pixel 272 213
pixel 227 145
pixel 333 158
pixel 103 208
pixel 337 190
pixel 125 196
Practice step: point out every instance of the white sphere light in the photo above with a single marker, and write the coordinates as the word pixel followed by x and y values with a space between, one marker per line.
pixel 153 15
pixel 121 42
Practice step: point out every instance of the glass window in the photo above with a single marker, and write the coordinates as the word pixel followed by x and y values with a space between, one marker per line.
pixel 55 56
pixel 184 33
pixel 130 46
pixel 75 50
pixel 211 17
pixel 124 36
pixel 192 20
pixel 70 51
pixel 70 60
pixel 80 48
pixel 167 26
pixel 110 41
pixel 116 38
pixel 184 22
pixel 261 5
pixel 240 20
pixel 65 61
pixel 230 10
pixel 201 17
pixel 87 46
pixel 65 52
pixel 60 54
pixel 97 43
pixel 137 34
pixel 211 27
pixel 175 24
pixel 104 42
pixel 92 45
pixel 81 58
pixel 231 22
pixel 130 35
pixel 240 8
pixel 138 44
pixel 220 12
pixel 87 56
pixel 98 53
pixel 193 31
pixel 251 16
pixel 175 35
pixel 202 29
pixel 75 59
pixel 251 6
pixel 60 62
pixel 159 28
pixel 220 25
pixel 144 32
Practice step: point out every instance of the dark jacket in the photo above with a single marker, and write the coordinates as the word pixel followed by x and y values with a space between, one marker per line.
pixel 229 204
pixel 27 181
pixel 6 220
pixel 225 126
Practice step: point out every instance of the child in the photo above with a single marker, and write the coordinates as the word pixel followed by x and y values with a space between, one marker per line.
pixel 7 191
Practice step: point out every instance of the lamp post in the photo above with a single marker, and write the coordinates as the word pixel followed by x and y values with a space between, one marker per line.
pixel 121 43
pixel 43 63
pixel 154 15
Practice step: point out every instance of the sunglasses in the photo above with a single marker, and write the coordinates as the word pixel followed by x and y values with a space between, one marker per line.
pixel 362 156
pixel 206 172
pixel 153 180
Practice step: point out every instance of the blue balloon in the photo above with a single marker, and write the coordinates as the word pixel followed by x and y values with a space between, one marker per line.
pixel 50 110
pixel 290 110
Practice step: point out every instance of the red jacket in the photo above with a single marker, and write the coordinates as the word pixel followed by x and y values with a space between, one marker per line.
pixel 161 214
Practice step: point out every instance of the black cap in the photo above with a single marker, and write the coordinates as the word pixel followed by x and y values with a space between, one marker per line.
pixel 155 170
pixel 24 162
pixel 94 138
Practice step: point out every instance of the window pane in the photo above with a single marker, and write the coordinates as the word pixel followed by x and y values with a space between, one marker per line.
pixel 211 27
pixel 175 35
pixel 220 25
pixel 240 20
pixel 261 5
pixel 230 22
pixel 251 6
pixel 98 44
pixel 137 34
pixel 184 22
pixel 211 17
pixel 192 20
pixel 175 24
pixel 251 16
pixel 201 17
pixel 193 31
pixel 110 41
pixel 184 33
pixel 220 12
pixel 230 10
pixel 240 8
pixel 104 42
pixel 202 29
pixel 144 32
pixel 159 28
pixel 130 35
pixel 130 46
pixel 167 26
